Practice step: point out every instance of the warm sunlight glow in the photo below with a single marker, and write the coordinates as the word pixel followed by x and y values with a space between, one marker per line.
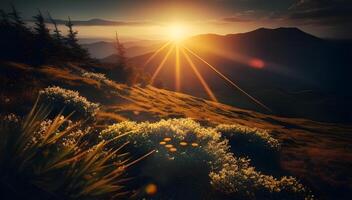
pixel 177 32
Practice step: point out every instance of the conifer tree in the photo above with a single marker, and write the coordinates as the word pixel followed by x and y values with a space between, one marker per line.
pixel 15 16
pixel 121 52
pixel 77 52
pixel 17 38
pixel 43 42
pixel 40 27
pixel 72 35
pixel 57 32
pixel 4 19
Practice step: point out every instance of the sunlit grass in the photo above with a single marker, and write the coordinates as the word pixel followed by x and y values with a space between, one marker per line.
pixel 54 156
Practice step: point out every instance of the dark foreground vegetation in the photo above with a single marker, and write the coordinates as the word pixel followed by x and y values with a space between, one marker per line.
pixel 45 155
pixel 35 44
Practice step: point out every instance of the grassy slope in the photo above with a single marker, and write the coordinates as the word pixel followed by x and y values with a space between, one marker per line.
pixel 318 153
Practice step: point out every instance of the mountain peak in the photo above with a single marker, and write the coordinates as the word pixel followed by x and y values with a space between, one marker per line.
pixel 288 31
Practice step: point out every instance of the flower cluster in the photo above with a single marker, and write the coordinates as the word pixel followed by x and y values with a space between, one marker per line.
pixel 71 100
pixel 183 145
pixel 249 134
pixel 74 133
pixel 10 118
pixel 98 77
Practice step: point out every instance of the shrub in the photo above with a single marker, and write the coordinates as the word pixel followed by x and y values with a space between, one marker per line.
pixel 248 135
pixel 50 159
pixel 180 161
pixel 257 144
pixel 98 77
pixel 197 169
pixel 71 101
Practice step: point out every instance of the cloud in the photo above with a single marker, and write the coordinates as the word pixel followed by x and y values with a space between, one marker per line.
pixel 235 19
pixel 243 16
pixel 322 12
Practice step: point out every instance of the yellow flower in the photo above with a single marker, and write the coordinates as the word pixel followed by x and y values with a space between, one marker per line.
pixel 183 143
pixel 194 144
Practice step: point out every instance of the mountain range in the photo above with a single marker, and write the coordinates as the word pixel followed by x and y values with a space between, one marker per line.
pixel 293 73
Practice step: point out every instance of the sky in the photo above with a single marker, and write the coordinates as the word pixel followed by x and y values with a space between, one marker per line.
pixel 155 19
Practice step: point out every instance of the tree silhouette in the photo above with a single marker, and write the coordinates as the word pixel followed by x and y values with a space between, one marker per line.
pixel 4 19
pixel 57 32
pixel 77 52
pixel 43 40
pixel 121 52
pixel 15 16
pixel 16 38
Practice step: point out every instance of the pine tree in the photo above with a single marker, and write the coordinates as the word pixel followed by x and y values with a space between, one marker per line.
pixel 57 32
pixel 43 42
pixel 121 52
pixel 40 27
pixel 15 16
pixel 77 52
pixel 4 19
pixel 72 35
pixel 16 37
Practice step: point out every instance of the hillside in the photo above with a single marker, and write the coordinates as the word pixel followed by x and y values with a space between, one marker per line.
pixel 295 68
pixel 315 152
pixel 105 50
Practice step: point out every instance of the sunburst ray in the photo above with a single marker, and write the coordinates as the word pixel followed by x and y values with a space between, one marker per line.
pixel 161 65
pixel 156 52
pixel 200 77
pixel 229 81
pixel 177 70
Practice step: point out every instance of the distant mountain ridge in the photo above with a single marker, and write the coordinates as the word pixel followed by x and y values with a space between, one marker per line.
pixel 292 60
pixel 105 50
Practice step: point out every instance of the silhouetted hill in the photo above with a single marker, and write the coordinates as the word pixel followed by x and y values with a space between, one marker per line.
pixel 103 50
pixel 274 65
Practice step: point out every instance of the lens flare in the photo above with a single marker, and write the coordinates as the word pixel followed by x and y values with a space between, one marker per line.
pixel 256 63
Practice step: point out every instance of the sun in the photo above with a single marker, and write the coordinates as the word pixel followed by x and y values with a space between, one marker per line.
pixel 177 32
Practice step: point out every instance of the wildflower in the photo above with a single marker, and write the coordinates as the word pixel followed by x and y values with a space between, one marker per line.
pixel 183 143
pixel 169 146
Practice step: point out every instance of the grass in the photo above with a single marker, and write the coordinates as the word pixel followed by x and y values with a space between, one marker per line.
pixel 42 158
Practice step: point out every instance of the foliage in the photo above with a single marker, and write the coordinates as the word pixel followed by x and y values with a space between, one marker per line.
pixel 189 153
pixel 51 159
pixel 248 135
pixel 257 144
pixel 70 100
pixel 77 52
pixel 100 77
pixel 180 164
pixel 37 46
pixel 235 177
